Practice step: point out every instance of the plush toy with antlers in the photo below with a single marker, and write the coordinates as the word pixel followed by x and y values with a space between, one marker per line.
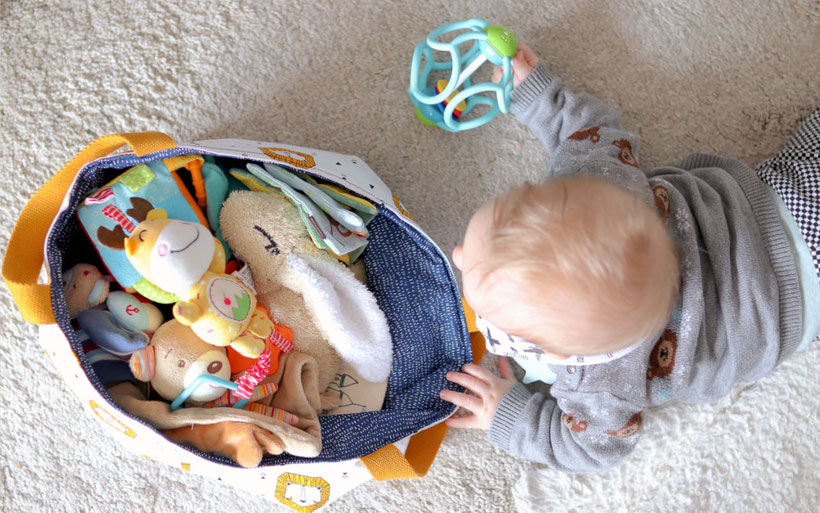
pixel 186 260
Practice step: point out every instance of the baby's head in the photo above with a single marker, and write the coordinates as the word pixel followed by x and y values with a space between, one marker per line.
pixel 576 265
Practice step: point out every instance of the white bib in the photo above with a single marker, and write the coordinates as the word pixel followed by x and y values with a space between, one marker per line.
pixel 500 343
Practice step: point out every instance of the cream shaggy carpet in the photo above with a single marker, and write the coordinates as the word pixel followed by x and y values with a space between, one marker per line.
pixel 732 77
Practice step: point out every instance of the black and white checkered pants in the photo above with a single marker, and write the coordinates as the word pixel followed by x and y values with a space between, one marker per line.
pixel 795 174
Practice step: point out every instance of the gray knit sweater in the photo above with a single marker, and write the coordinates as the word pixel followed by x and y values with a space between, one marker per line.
pixel 739 312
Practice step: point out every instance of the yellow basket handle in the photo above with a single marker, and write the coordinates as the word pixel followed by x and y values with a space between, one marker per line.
pixel 389 463
pixel 24 255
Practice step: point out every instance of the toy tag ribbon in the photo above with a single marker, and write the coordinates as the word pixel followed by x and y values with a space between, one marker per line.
pixel 248 381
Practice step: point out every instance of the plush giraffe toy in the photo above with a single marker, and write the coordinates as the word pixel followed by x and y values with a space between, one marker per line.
pixel 187 260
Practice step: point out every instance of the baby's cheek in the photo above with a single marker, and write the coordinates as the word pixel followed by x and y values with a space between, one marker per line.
pixel 474 293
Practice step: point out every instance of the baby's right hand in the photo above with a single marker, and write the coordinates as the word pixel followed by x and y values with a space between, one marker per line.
pixel 523 63
pixel 486 391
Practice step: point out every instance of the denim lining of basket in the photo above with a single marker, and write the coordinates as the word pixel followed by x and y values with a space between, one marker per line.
pixel 412 284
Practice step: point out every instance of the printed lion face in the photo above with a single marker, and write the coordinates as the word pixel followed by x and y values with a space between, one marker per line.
pixel 625 155
pixel 662 357
pixel 570 421
pixel 302 494
pixel 661 201
pixel 631 427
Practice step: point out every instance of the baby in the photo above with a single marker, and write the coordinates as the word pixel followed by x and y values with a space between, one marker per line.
pixel 636 289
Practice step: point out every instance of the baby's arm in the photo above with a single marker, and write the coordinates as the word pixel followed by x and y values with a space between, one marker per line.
pixel 581 133
pixel 552 111
pixel 587 432
pixel 580 432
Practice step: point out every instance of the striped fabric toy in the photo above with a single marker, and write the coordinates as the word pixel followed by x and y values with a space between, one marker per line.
pixel 270 411
pixel 253 376
pixel 280 341
pixel 230 397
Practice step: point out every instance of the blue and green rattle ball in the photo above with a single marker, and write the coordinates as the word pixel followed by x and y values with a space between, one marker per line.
pixel 443 105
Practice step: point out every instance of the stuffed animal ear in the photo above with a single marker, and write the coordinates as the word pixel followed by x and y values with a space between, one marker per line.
pixel 156 213
pixel 140 209
pixel 143 364
pixel 128 246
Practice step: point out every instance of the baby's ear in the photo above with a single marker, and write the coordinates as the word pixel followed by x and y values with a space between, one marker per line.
pixel 143 364
pixel 457 252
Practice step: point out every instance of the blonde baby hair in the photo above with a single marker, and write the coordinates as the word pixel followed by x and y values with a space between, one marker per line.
pixel 585 265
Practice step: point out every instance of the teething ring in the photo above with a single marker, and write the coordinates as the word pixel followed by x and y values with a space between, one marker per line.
pixel 490 43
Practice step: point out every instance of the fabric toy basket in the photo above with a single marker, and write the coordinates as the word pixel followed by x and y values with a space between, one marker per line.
pixel 407 273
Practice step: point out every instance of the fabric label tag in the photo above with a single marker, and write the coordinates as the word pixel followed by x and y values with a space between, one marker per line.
pixel 245 276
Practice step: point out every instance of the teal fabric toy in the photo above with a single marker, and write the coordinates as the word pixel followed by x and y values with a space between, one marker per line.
pixel 216 187
pixel 110 213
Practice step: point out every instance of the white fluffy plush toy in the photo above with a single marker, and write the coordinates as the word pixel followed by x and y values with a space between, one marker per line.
pixel 333 315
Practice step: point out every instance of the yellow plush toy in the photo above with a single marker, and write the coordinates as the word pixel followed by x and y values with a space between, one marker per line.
pixel 186 259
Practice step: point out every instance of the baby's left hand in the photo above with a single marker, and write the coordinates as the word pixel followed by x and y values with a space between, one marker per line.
pixel 523 63
pixel 487 389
